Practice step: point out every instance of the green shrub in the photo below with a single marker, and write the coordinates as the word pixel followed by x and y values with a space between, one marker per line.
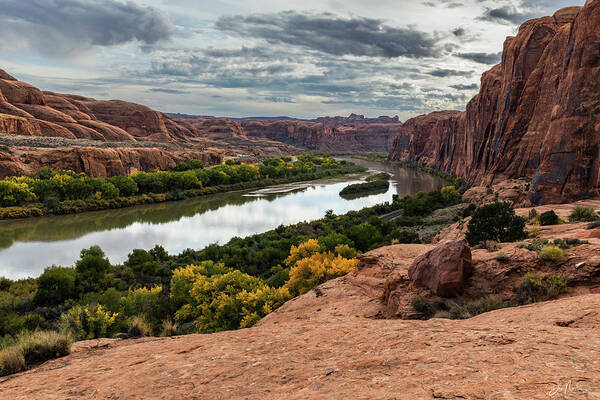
pixel 467 212
pixel 594 225
pixel 502 258
pixel 549 218
pixel 535 245
pixel 330 241
pixel 403 236
pixel 555 285
pixel 91 270
pixel 189 165
pixel 169 328
pixel 15 193
pixel 422 305
pixel 20 212
pixel 34 348
pixel 471 309
pixel 533 215
pixel 55 286
pixel 552 253
pixel 12 361
pixel 138 327
pixel 451 195
pixel 89 322
pixel 534 288
pixel 142 301
pixel 364 236
pixel 26 322
pixel 496 222
pixel 583 214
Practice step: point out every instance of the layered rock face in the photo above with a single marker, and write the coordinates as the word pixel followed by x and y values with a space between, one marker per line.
pixel 105 138
pixel 537 114
pixel 356 137
pixel 96 161
pixel 26 110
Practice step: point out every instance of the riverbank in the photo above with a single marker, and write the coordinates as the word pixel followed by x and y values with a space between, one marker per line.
pixel 270 262
pixel 98 202
pixel 29 245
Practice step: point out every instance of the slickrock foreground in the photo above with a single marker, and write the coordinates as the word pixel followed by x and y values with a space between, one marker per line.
pixel 325 345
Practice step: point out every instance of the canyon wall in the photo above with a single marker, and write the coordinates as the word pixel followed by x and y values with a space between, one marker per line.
pixel 537 114
pixel 113 137
pixel 105 138
pixel 317 136
pixel 97 161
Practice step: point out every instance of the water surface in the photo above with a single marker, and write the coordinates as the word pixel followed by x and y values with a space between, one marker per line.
pixel 28 246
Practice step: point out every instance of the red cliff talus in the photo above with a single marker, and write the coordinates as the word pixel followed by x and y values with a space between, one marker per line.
pixel 537 114
pixel 364 137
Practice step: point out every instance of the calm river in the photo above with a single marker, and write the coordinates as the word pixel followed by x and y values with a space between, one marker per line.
pixel 28 246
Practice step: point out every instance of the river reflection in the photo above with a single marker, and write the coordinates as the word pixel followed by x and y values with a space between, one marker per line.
pixel 28 246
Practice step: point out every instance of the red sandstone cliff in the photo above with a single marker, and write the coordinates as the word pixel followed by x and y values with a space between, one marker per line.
pixel 537 114
pixel 26 110
pixel 104 138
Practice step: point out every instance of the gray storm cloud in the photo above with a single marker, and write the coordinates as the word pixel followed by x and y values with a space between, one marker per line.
pixel 332 34
pixel 62 27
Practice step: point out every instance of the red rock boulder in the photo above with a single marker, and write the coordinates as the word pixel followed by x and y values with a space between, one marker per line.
pixel 444 269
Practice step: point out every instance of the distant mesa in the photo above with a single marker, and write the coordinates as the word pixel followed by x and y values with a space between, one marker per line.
pixel 329 121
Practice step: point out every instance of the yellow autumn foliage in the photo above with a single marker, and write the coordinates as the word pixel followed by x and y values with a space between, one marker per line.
pixel 318 268
pixel 304 250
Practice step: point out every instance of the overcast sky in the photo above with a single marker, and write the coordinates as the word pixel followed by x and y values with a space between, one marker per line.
pixel 302 58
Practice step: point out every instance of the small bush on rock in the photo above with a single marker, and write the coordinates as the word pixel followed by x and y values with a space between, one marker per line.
pixel 549 218
pixel 594 225
pixel 422 305
pixel 34 348
pixel 535 288
pixel 552 253
pixel 476 307
pixel 502 258
pixel 496 222
pixel 533 215
pixel 138 328
pixel 169 328
pixel 583 214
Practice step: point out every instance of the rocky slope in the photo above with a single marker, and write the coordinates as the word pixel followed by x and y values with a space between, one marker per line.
pixel 26 110
pixel 328 344
pixel 537 114
pixel 104 138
